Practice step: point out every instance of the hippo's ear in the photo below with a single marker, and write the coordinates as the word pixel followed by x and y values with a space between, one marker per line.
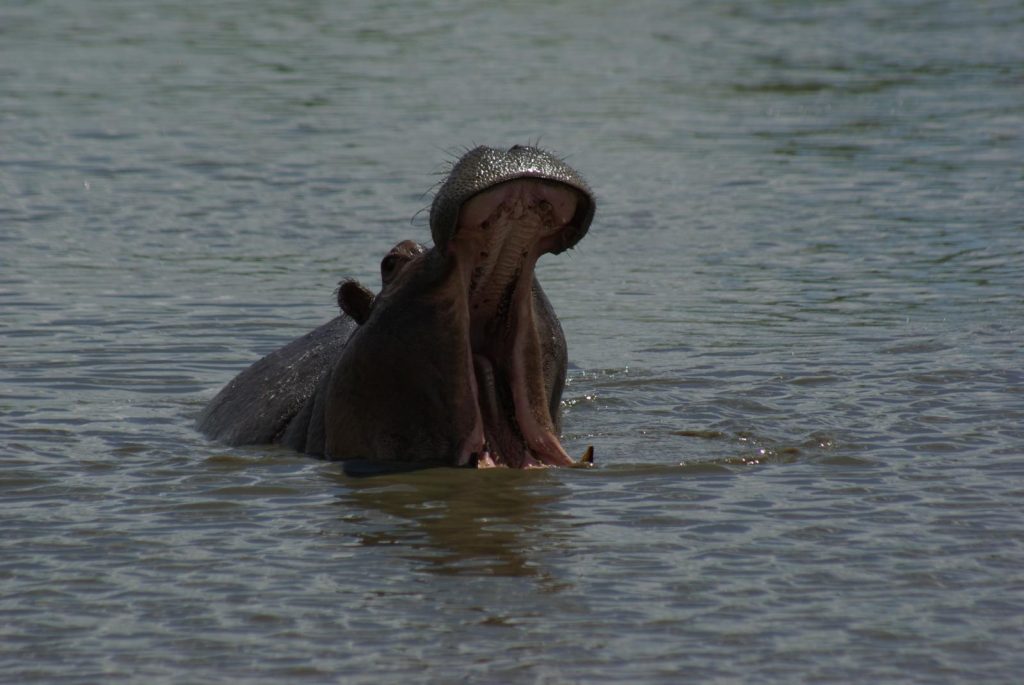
pixel 355 300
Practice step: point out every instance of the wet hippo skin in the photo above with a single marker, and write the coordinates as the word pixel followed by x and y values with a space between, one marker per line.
pixel 458 360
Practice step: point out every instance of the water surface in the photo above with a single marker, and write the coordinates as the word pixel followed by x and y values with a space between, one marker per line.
pixel 794 331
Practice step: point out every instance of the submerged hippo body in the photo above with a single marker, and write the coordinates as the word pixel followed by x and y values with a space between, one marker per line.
pixel 458 360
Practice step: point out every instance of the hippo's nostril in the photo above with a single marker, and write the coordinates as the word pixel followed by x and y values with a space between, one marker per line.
pixel 514 148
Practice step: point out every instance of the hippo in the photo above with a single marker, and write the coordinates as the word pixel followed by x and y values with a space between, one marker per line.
pixel 356 300
pixel 459 360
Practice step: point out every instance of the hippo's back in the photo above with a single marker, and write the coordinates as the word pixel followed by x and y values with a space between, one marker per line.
pixel 259 403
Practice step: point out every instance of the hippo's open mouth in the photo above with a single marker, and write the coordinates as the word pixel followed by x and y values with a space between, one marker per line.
pixel 460 356
pixel 500 234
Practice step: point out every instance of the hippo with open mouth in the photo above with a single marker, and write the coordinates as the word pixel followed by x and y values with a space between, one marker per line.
pixel 459 360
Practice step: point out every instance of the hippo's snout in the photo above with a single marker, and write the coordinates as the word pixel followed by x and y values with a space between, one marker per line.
pixel 485 168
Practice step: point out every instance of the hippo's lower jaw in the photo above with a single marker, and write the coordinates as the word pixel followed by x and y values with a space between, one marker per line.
pixel 501 234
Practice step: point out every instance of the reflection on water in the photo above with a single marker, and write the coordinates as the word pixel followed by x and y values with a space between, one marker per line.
pixel 462 521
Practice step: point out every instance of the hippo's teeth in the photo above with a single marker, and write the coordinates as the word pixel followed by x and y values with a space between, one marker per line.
pixel 486 462
pixel 484 459
pixel 481 460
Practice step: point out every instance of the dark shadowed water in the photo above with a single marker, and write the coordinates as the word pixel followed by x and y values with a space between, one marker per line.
pixel 795 332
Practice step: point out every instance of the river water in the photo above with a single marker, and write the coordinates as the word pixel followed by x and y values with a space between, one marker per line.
pixel 795 332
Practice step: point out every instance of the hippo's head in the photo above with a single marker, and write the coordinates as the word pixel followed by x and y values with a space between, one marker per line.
pixel 460 359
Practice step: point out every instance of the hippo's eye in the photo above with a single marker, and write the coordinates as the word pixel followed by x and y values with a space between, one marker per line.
pixel 387 265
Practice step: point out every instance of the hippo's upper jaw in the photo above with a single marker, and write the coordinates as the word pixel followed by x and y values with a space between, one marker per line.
pixel 530 204
pixel 483 168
